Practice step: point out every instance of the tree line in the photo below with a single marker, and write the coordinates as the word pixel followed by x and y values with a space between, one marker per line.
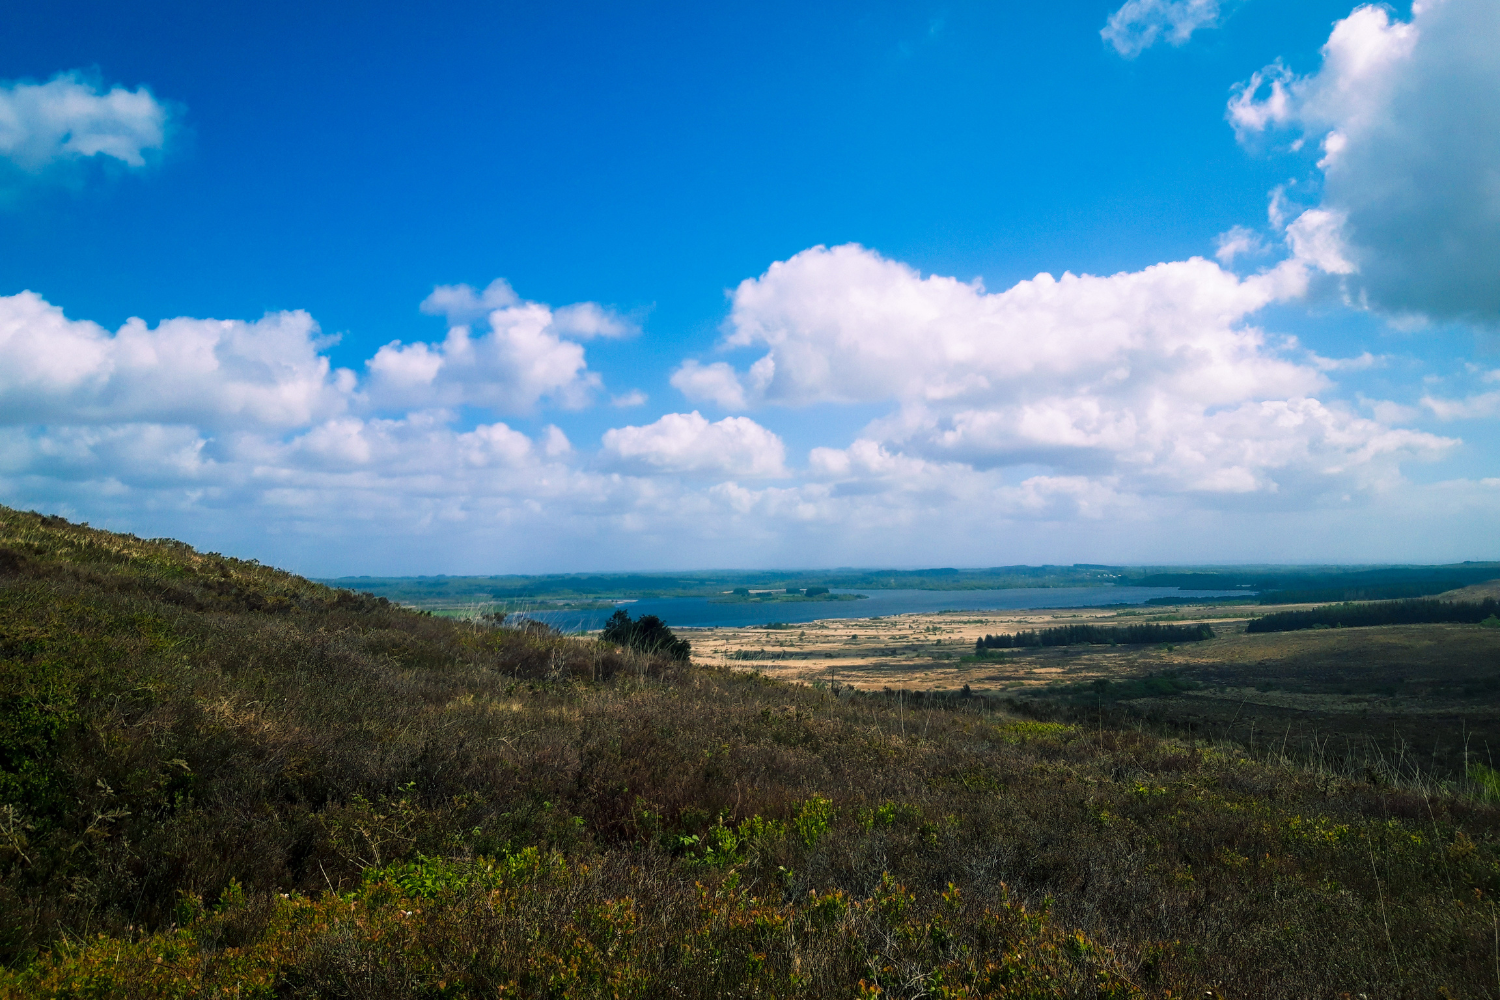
pixel 1095 635
pixel 1409 612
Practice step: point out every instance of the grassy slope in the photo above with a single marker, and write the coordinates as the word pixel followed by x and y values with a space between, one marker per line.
pixel 238 777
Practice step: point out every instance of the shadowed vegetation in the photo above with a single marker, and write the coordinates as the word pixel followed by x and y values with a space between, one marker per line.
pixel 223 779
pixel 1095 635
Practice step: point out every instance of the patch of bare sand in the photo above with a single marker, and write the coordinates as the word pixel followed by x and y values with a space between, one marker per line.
pixel 929 651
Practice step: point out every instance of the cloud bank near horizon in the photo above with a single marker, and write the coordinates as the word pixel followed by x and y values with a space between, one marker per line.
pixel 1057 403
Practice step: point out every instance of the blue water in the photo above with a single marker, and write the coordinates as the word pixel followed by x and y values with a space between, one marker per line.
pixel 698 612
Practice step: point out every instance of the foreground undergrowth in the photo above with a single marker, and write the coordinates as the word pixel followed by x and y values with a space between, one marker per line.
pixel 221 780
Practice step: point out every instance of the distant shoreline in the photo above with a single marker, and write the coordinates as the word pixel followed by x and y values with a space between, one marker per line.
pixel 784 598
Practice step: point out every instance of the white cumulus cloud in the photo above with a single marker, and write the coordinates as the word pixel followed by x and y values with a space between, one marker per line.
pixel 245 428
pixel 1406 117
pixel 716 383
pixel 1080 417
pixel 688 442
pixel 210 372
pixel 501 352
pixel 1139 24
pixel 1154 377
pixel 71 117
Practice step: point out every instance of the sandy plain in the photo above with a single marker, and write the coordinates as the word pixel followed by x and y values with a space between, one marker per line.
pixel 936 651
pixel 1390 690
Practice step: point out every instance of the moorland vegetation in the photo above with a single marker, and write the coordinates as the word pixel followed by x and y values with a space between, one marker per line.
pixel 221 779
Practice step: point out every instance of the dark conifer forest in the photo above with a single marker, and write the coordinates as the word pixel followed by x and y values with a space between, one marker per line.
pixel 1097 635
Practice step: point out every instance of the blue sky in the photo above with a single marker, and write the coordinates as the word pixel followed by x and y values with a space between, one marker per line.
pixel 292 161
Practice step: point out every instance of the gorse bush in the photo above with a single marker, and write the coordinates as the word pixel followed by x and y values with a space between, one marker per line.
pixel 1097 635
pixel 220 780
pixel 1413 612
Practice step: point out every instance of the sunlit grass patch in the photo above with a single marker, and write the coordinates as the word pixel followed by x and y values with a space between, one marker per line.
pixel 1024 730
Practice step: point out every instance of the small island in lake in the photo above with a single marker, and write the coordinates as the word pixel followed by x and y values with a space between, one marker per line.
pixel 791 595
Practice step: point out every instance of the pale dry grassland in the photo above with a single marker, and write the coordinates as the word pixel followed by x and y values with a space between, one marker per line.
pixel 1476 592
pixel 926 651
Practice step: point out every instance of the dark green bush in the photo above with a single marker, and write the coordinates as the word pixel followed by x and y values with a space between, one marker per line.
pixel 648 634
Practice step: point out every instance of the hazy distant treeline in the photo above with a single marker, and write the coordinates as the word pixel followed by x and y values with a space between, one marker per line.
pixel 1412 612
pixel 1311 586
pixel 1273 585
pixel 1095 635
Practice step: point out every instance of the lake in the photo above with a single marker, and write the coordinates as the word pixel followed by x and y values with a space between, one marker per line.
pixel 699 612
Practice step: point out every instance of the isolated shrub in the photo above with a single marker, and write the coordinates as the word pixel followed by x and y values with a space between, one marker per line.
pixel 649 634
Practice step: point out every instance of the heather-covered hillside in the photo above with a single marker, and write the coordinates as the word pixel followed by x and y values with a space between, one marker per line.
pixel 220 779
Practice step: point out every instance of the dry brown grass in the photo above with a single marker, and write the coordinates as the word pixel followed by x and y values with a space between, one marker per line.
pixel 1475 592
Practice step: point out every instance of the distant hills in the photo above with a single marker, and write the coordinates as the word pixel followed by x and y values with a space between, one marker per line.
pixel 1273 584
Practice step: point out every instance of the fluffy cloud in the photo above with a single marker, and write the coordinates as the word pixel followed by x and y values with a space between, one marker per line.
pixel 1138 25
pixel 522 353
pixel 716 383
pixel 245 428
pixel 1152 380
pixel 212 373
pixel 847 325
pixel 687 442
pixel 580 321
pixel 70 117
pixel 1406 118
pixel 1070 417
